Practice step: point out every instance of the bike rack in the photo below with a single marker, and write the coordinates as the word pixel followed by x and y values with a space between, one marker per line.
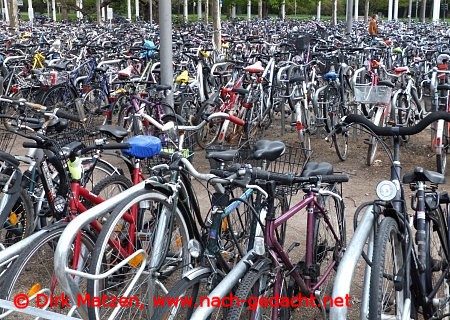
pixel 62 270
pixel 225 286
pixel 341 288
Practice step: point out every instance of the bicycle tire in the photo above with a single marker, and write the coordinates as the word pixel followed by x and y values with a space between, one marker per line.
pixel 388 244
pixel 193 289
pixel 255 284
pixel 95 102
pixel 106 256
pixel 209 134
pixel 334 112
pixel 34 269
pixel 436 260
pixel 20 221
pixel 325 247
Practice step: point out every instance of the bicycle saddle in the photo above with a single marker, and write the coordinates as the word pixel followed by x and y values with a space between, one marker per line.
pixel 330 75
pixel 114 131
pixel 143 146
pixel 126 73
pixel 268 150
pixel 420 174
pixel 223 156
pixel 255 68
pixel 317 169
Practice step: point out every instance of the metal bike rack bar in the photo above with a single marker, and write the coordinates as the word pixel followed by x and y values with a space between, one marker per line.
pixel 343 281
pixel 65 279
pixel 37 312
pixel 225 286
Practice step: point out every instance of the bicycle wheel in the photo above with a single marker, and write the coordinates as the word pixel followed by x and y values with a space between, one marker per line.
pixel 385 297
pixel 373 140
pixel 210 132
pixel 33 271
pixel 111 186
pixel 327 248
pixel 20 221
pixel 95 102
pixel 121 236
pixel 334 113
pixel 436 260
pixel 62 94
pixel 190 292
pixel 256 286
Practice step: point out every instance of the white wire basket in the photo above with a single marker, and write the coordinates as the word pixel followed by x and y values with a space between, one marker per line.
pixel 372 94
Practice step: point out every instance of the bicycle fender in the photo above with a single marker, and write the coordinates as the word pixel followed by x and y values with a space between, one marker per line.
pixel 260 264
pixel 196 272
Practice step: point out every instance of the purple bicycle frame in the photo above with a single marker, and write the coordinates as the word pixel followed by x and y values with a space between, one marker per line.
pixel 277 252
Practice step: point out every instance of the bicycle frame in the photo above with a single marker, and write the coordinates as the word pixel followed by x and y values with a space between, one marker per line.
pixel 276 251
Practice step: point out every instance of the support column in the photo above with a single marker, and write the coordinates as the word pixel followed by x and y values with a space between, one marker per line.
pixel 390 10
pixel 233 11
pixel 319 10
pixel 199 9
pixel 54 10
pixel 436 9
pixel 356 9
pixel 165 33
pixel 249 10
pixel 185 12
pixel 395 10
pixel 137 10
pixel 283 9
pixel 260 13
pixel 129 9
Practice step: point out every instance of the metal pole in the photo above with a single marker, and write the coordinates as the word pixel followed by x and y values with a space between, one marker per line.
pixel 199 10
pixel 185 11
pixel 349 16
pixel 409 13
pixel 165 28
pixel 249 10
pixel 54 10
pixel 129 9
pixel 217 36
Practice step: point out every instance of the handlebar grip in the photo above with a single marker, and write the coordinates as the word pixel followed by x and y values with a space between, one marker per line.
pixel 67 115
pixel 221 173
pixel 335 178
pixel 236 120
pixel 31 120
pixel 280 178
pixel 30 144
pixel 115 146
pixel 404 131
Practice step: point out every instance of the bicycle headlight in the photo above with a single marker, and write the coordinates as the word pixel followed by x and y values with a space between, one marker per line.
pixel 386 190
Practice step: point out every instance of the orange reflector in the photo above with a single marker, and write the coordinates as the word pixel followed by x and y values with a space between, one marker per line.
pixel 13 218
pixel 34 289
pixel 136 261
pixel 179 240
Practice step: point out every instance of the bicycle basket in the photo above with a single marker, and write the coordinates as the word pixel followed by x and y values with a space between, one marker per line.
pixel 7 138
pixel 372 94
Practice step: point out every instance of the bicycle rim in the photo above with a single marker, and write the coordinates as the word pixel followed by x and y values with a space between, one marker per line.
pixel 385 301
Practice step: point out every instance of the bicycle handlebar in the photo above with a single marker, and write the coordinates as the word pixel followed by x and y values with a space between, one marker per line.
pixel 281 178
pixel 397 131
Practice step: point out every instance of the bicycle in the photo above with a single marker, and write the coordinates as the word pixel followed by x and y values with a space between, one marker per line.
pixel 403 279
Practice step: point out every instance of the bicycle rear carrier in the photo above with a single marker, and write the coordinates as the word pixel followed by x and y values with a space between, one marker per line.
pixel 372 94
